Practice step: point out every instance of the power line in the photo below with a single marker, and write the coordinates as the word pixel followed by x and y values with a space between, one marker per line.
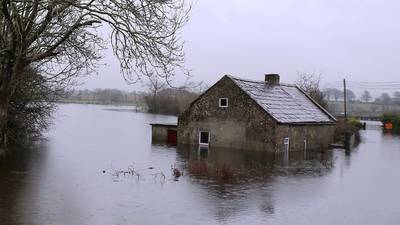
pixel 375 82
pixel 365 85
pixel 364 88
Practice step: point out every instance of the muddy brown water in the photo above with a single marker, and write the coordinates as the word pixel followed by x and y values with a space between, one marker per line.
pixel 76 177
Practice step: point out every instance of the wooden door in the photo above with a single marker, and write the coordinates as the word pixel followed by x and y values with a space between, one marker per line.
pixel 172 137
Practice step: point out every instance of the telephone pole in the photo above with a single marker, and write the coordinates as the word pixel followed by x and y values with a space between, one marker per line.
pixel 345 100
pixel 346 133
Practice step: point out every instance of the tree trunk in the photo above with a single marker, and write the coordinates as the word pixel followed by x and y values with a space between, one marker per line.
pixel 3 119
pixel 155 109
pixel 7 69
pixel 11 69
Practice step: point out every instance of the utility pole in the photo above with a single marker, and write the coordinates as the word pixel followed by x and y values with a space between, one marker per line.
pixel 345 100
pixel 346 133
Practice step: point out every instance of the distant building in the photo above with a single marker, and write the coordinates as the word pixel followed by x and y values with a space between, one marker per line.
pixel 256 115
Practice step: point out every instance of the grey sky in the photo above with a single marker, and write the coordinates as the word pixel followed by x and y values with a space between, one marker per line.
pixel 356 39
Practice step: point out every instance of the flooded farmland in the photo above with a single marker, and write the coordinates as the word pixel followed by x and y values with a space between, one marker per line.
pixel 98 166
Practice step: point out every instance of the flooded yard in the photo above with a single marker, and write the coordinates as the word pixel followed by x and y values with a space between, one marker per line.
pixel 80 175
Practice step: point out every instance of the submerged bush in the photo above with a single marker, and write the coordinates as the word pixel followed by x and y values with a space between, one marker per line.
pixel 198 168
pixel 169 101
pixel 224 172
pixel 342 128
pixel 355 122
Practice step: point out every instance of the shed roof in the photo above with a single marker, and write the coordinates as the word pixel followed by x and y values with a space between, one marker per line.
pixel 284 102
pixel 164 124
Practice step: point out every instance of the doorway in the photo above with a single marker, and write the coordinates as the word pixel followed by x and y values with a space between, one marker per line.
pixel 172 137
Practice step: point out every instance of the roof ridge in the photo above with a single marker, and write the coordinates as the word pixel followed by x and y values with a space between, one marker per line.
pixel 258 81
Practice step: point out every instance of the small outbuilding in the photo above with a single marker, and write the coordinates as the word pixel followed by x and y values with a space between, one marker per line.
pixel 258 115
pixel 164 133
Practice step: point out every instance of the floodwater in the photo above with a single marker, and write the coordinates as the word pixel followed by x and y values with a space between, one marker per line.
pixel 77 177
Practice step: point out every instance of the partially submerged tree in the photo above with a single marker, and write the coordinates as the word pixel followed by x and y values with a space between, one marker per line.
pixel 59 39
pixel 31 107
pixel 171 101
pixel 154 84
pixel 165 99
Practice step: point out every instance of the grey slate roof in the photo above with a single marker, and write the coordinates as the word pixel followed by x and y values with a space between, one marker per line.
pixel 285 103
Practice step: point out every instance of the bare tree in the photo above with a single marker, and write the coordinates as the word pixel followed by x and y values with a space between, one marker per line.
pixel 366 96
pixel 384 99
pixel 350 95
pixel 337 94
pixel 59 39
pixel 154 84
pixel 396 97
pixel 30 108
pixel 169 100
pixel 309 82
pixel 328 93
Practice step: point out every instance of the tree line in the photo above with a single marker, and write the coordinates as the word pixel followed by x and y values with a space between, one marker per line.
pixel 170 101
pixel 103 96
pixel 334 94
pixel 158 98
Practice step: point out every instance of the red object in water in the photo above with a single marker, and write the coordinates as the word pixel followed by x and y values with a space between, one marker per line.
pixel 172 137
pixel 389 126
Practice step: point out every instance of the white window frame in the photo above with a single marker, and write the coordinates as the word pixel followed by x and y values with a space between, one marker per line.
pixel 204 144
pixel 286 144
pixel 223 106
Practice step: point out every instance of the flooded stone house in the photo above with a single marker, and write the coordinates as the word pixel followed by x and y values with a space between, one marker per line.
pixel 257 115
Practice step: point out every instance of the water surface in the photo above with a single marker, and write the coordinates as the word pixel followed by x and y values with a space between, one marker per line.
pixel 71 179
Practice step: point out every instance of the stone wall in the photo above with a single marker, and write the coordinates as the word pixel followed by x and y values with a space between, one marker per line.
pixel 242 125
pixel 317 136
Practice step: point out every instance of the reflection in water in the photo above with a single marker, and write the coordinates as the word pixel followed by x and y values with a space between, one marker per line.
pixel 62 180
pixel 232 198
pixel 18 189
pixel 315 162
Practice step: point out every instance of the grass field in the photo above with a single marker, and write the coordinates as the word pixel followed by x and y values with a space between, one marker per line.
pixel 361 108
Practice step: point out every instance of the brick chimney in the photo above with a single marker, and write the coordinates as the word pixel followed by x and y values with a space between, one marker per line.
pixel 272 79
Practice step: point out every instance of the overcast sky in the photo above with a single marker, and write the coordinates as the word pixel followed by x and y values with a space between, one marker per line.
pixel 354 39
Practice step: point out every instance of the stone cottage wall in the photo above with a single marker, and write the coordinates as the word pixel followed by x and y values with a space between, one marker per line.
pixel 242 125
pixel 318 136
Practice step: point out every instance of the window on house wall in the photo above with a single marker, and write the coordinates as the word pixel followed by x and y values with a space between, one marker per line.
pixel 223 102
pixel 204 138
